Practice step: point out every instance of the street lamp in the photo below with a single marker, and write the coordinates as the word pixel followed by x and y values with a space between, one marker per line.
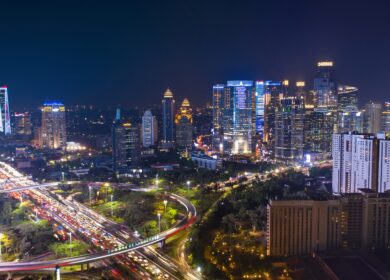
pixel 112 213
pixel 70 243
pixel 1 237
pixel 165 206
pixel 156 180
pixel 199 270
pixel 90 194
pixel 159 222
pixel 188 185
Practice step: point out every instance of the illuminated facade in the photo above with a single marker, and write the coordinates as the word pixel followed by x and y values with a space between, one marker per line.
pixel 183 121
pixel 53 125
pixel 218 105
pixel 168 115
pixel 22 124
pixel 373 115
pixel 325 86
pixel 386 117
pixel 239 118
pixel 272 95
pixel 347 97
pixel 149 129
pixel 5 120
pixel 126 145
pixel 289 129
pixel 260 107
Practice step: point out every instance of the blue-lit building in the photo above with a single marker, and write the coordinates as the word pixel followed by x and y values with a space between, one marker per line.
pixel 238 119
pixel 218 105
pixel 325 86
pixel 259 99
pixel 168 117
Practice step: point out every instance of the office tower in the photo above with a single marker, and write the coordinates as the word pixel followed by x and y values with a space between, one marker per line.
pixel 5 119
pixel 218 107
pixel 372 114
pixel 259 107
pixel 321 129
pixel 183 121
pixel 239 117
pixel 149 129
pixel 289 125
pixel 302 92
pixel 355 162
pixel 325 86
pixel 168 116
pixel 300 227
pixel 347 98
pixel 384 165
pixel 53 125
pixel 272 96
pixel 386 118
pixel 350 120
pixel 22 124
pixel 126 145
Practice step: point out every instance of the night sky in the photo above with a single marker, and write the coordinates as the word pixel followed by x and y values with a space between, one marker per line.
pixel 128 52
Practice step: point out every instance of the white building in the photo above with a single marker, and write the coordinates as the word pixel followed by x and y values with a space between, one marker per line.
pixel 207 162
pixel 355 162
pixel 149 129
pixel 384 166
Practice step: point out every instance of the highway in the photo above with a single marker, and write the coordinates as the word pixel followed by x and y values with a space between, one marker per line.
pixel 76 217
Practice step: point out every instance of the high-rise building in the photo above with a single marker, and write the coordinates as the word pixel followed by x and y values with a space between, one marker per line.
pixel 355 162
pixel 218 109
pixel 325 86
pixel 126 145
pixel 260 108
pixel 289 129
pixel 53 125
pixel 168 116
pixel 386 117
pixel 300 227
pixel 274 92
pixel 149 129
pixel 384 165
pixel 5 119
pixel 322 121
pixel 183 121
pixel 347 97
pixel 239 118
pixel 373 112
pixel 302 92
pixel 22 124
pixel 350 120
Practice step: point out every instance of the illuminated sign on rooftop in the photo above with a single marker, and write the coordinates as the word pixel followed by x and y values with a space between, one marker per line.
pixel 325 64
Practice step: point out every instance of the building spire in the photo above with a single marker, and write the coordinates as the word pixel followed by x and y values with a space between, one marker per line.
pixel 118 114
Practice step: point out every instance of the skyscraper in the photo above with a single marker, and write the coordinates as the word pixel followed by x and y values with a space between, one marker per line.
pixel 373 112
pixel 183 121
pixel 126 145
pixel 53 129
pixel 307 95
pixel 260 108
pixel 289 125
pixel 355 162
pixel 239 117
pixel 321 124
pixel 384 165
pixel 325 86
pixel 386 118
pixel 168 116
pixel 5 120
pixel 347 98
pixel 149 129
pixel 274 92
pixel 218 109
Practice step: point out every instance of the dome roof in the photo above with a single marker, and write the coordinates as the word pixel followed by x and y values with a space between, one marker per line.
pixel 168 93
pixel 185 103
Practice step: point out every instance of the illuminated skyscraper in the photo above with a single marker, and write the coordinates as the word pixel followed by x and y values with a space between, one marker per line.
pixel 183 121
pixel 322 122
pixel 325 86
pixel 373 114
pixel 272 95
pixel 239 117
pixel 218 107
pixel 22 124
pixel 53 129
pixel 126 145
pixel 149 129
pixel 260 107
pixel 5 120
pixel 347 97
pixel 386 117
pixel 307 95
pixel 168 116
pixel 289 125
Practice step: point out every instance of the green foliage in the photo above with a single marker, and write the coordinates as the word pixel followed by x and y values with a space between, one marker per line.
pixel 62 250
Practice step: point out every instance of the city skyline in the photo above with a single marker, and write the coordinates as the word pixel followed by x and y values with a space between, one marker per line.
pixel 73 52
